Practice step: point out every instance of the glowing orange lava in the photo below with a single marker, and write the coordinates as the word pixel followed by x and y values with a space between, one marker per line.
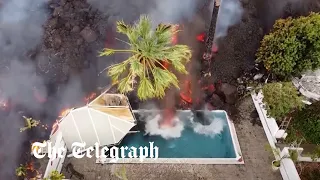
pixel 168 117
pixel 90 97
pixel 201 37
pixel 64 112
pixel 186 94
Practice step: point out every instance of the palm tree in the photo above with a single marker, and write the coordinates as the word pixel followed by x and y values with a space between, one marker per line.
pixel 149 52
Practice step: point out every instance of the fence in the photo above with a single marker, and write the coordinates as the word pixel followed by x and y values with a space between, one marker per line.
pixel 273 132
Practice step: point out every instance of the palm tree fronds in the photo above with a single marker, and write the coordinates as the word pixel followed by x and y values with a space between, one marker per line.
pixel 144 26
pixel 122 27
pixel 137 67
pixel 106 52
pixel 116 70
pixel 145 89
pixel 125 84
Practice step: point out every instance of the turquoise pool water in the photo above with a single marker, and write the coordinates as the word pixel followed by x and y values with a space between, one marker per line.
pixel 190 144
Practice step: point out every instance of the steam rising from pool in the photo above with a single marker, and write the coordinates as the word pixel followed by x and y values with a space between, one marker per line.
pixel 152 127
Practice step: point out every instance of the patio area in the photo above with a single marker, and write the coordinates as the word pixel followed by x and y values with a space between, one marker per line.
pixel 252 141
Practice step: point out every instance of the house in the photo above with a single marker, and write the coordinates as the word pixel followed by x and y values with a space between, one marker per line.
pixel 105 120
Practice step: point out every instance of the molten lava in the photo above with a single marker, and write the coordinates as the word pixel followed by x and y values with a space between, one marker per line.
pixel 201 37
pixel 55 127
pixel 64 112
pixel 90 97
pixel 168 117
pixel 30 166
pixel 214 48
pixel 186 94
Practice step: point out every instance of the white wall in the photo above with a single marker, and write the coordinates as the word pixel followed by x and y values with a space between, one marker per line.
pixel 57 163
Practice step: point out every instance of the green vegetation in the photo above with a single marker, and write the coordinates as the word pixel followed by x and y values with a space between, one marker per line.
pixel 122 173
pixel 30 123
pixel 292 47
pixel 149 52
pixel 21 171
pixel 293 155
pixel 280 99
pixel 55 175
pixel 306 124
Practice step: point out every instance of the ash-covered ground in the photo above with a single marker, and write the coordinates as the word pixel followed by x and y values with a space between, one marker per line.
pixel 49 52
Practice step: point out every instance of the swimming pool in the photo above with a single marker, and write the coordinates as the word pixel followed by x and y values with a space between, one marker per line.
pixel 216 143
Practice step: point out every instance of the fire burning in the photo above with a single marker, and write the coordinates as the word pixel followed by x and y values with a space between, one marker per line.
pixel 90 97
pixel 201 37
pixel 186 94
pixel 168 117
pixel 64 112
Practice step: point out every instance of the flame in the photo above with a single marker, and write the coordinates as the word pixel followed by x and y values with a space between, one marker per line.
pixel 168 116
pixel 30 166
pixel 210 88
pixel 201 37
pixel 214 48
pixel 64 112
pixel 186 95
pixel 90 97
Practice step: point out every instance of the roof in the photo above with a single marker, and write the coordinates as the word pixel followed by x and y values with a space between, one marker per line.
pixel 105 120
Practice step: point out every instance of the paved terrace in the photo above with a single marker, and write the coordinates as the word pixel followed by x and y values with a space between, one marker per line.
pixel 252 140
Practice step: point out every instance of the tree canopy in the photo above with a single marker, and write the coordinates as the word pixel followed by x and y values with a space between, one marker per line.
pixel 292 47
pixel 149 50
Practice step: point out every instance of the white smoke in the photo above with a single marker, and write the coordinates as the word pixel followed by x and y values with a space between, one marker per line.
pixel 152 127
pixel 215 127
pixel 172 11
pixel 230 13
pixel 168 11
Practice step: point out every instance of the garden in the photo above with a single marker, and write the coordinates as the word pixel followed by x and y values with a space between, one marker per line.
pixel 78 41
pixel 290 50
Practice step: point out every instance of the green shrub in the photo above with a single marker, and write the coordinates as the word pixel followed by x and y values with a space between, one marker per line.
pixel 280 99
pixel 306 123
pixel 292 47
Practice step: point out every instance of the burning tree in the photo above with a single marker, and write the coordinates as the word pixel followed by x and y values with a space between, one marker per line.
pixel 150 53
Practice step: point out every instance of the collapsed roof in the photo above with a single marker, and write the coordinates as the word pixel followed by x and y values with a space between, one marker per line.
pixel 105 120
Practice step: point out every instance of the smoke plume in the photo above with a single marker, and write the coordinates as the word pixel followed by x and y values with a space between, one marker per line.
pixel 21 30
pixel 230 13
pixel 168 11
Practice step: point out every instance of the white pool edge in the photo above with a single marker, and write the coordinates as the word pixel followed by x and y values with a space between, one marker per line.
pixel 236 145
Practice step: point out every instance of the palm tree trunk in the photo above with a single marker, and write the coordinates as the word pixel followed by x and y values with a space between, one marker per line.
pixel 210 34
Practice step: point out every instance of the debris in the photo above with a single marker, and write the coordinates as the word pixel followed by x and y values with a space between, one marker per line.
pixel 230 92
pixel 88 35
pixel 257 77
